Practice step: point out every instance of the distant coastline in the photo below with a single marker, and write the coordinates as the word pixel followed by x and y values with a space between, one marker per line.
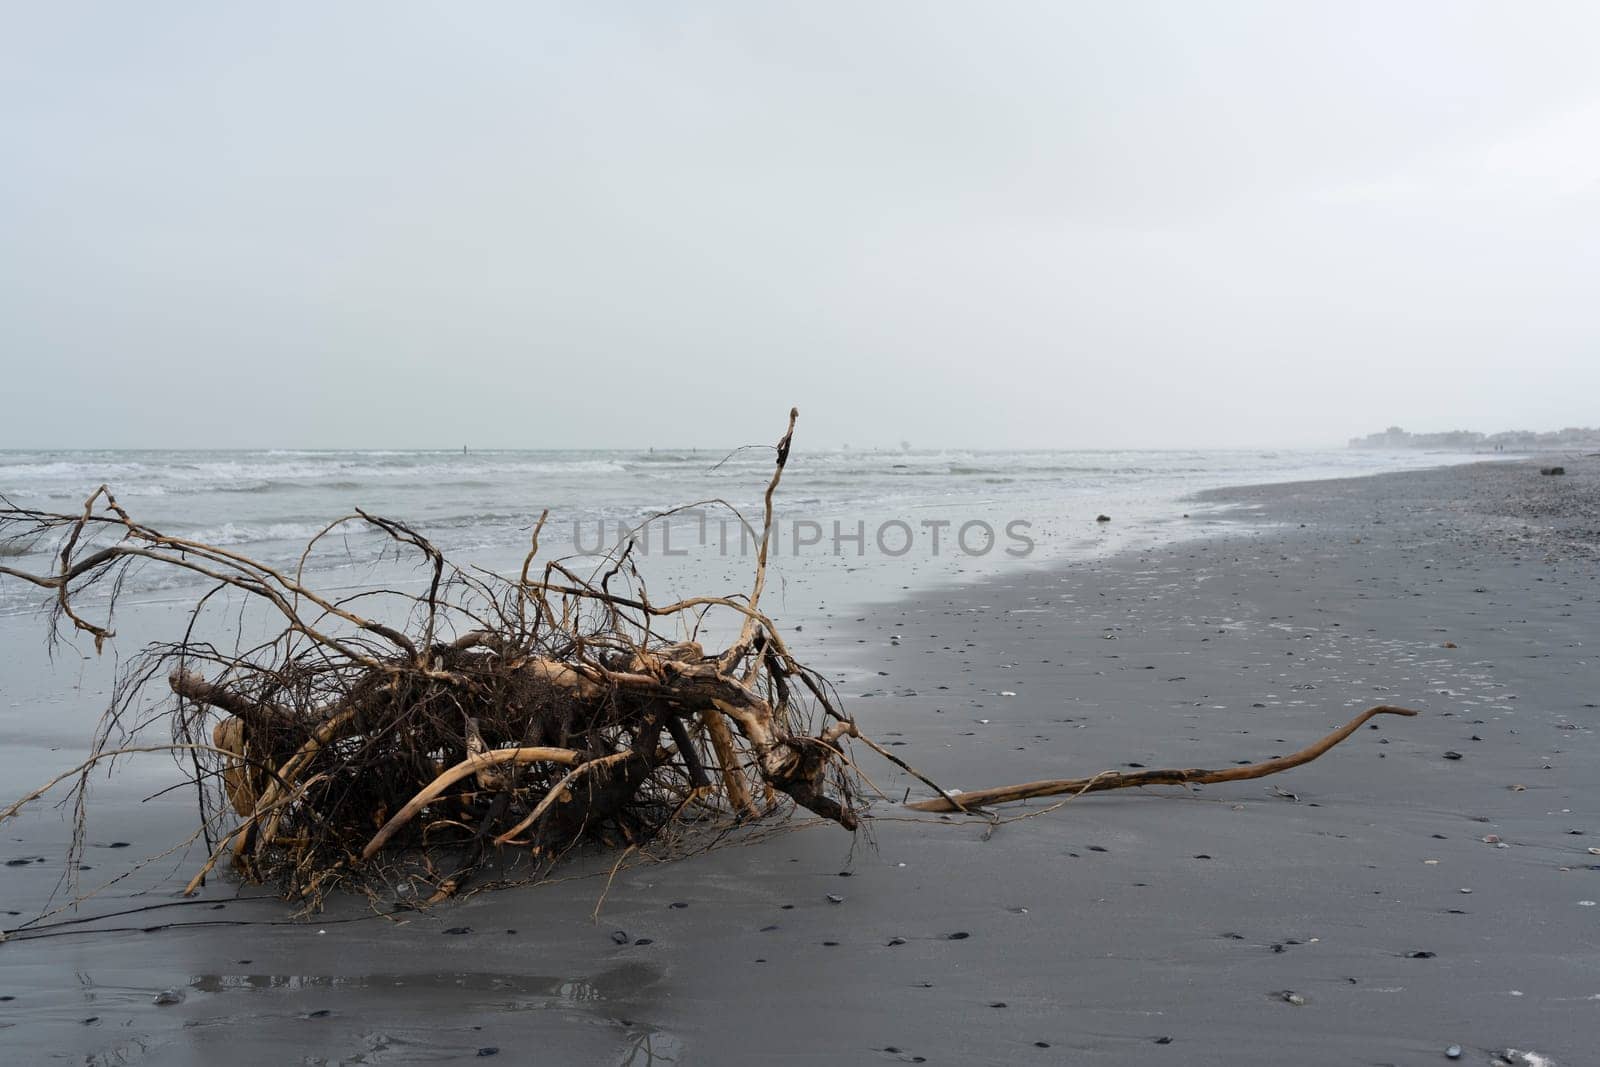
pixel 1572 437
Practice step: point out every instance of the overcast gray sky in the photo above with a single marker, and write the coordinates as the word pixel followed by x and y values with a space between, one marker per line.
pixel 1007 225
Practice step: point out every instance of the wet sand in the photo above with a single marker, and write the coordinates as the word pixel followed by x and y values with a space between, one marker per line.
pixel 1161 926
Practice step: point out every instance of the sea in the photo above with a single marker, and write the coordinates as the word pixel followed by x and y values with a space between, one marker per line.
pixel 851 525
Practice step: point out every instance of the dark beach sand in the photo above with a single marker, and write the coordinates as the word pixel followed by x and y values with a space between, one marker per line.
pixel 1155 927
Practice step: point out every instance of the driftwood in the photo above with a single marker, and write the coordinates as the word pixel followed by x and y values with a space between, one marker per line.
pixel 483 716
pixel 1105 780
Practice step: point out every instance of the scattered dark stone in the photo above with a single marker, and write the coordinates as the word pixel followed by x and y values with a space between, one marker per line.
pixel 489 1050
pixel 23 861
pixel 959 935
pixel 1420 954
pixel 845 874
pixel 168 996
pixel 5 997
pixel 831 944
pixel 1452 755
pixel 620 936
pixel 1201 856
pixel 769 928
pixel 91 1020
pixel 1163 1040
pixel 320 1013
pixel 997 1004
pixel 1234 937
pixel 835 898
pixel 118 844
pixel 1552 470
pixel 786 907
pixel 644 941
pixel 1096 848
pixel 894 941
pixel 1102 518
pixel 457 931
pixel 1045 1044
pixel 678 904
pixel 1277 948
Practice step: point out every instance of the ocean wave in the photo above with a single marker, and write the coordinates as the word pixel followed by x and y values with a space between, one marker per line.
pixel 22 546
pixel 77 491
pixel 234 533
pixel 338 472
pixel 73 470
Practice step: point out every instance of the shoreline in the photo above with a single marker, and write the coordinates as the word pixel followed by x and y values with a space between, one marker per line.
pixel 1093 932
pixel 1060 523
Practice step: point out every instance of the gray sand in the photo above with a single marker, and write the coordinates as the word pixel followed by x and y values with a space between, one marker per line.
pixel 1150 927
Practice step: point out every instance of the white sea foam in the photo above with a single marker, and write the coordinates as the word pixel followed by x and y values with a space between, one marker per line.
pixel 232 533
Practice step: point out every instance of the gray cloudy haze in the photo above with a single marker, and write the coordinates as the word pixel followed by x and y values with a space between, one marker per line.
pixel 1003 225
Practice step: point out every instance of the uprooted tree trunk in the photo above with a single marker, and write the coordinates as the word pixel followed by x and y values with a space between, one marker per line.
pixel 531 713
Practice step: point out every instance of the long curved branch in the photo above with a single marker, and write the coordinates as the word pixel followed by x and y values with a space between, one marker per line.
pixel 1105 780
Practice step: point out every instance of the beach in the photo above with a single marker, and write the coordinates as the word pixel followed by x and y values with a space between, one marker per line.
pixel 1426 884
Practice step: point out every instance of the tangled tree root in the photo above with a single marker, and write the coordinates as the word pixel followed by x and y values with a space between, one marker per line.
pixel 487 714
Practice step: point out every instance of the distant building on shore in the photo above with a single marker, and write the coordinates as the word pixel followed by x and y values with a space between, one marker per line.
pixel 1472 441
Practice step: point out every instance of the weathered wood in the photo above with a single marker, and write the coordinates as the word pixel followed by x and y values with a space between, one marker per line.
pixel 1008 794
